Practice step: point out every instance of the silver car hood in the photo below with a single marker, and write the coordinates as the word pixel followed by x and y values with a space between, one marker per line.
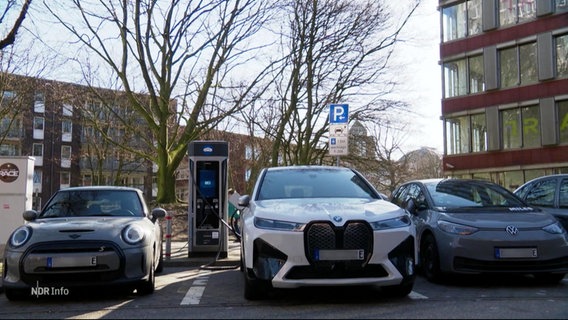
pixel 87 228
pixel 306 210
pixel 500 219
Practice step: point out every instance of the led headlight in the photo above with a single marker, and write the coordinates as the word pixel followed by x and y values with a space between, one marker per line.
pixel 132 234
pixel 456 228
pixel 398 222
pixel 262 223
pixel 555 228
pixel 20 236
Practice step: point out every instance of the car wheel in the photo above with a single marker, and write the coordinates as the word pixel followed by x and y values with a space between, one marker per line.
pixel 549 278
pixel 255 289
pixel 430 259
pixel 147 287
pixel 15 294
pixel 160 266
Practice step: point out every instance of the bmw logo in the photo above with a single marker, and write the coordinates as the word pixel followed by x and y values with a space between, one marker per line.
pixel 337 219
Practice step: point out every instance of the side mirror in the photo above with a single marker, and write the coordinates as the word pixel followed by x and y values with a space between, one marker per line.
pixel 30 215
pixel 158 213
pixel 411 206
pixel 244 200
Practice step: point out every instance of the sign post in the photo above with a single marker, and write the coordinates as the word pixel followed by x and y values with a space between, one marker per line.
pixel 338 130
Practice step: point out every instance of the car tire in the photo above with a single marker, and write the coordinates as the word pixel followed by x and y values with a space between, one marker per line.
pixel 430 259
pixel 549 278
pixel 147 287
pixel 399 291
pixel 15 294
pixel 255 289
pixel 160 266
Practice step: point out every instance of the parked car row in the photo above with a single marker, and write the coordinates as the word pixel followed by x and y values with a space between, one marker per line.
pixel 328 226
pixel 304 226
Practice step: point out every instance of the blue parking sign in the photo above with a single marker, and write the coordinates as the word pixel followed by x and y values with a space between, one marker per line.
pixel 338 113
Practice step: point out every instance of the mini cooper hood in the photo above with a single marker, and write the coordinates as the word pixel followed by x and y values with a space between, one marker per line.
pixel 306 210
pixel 81 225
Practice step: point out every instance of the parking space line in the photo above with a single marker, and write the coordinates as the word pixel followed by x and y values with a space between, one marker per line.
pixel 416 296
pixel 195 292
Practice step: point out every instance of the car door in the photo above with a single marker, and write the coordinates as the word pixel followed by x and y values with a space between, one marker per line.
pixel 551 195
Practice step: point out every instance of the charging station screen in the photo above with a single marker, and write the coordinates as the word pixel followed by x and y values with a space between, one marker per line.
pixel 208 183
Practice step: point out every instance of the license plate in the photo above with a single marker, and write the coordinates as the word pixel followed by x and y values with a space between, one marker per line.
pixel 65 262
pixel 508 253
pixel 330 255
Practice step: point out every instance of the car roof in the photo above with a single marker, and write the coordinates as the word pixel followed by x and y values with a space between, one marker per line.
pixel 307 167
pixel 87 188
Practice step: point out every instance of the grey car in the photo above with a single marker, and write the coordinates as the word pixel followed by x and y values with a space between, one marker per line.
pixel 478 227
pixel 83 237
pixel 549 193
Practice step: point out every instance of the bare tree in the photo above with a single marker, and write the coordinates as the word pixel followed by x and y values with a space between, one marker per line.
pixel 180 55
pixel 334 51
pixel 9 6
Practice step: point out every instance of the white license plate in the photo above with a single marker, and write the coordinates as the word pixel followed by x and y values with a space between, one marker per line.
pixel 331 255
pixel 507 253
pixel 76 261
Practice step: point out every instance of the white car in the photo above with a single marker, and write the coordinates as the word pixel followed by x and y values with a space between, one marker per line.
pixel 323 226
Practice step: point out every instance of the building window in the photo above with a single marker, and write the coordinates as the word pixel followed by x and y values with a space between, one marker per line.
pixel 562 55
pixel 248 173
pixel 474 14
pixel 11 128
pixel 528 62
pixel 65 156
pixel 457 135
pixel 561 5
pixel 66 130
pixel 531 126
pixel 39 102
pixel 478 133
pixel 455 78
pixel 67 110
pixel 563 120
pixel 65 181
pixel 508 67
pixel 37 153
pixel 38 127
pixel 476 79
pixel 8 150
pixel 514 11
pixel 454 22
pixel 511 126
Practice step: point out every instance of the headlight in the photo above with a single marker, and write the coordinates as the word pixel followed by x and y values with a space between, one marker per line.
pixel 133 234
pixel 20 236
pixel 456 228
pixel 398 222
pixel 278 225
pixel 555 228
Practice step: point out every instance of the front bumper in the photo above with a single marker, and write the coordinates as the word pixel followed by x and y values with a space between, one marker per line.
pixel 292 259
pixel 71 264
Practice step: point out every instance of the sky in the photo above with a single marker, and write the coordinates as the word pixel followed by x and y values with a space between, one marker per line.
pixel 421 77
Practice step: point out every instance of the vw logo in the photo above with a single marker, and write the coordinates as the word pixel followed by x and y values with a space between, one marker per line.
pixel 337 218
pixel 512 230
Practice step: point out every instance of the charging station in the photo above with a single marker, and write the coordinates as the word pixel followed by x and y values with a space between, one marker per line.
pixel 207 216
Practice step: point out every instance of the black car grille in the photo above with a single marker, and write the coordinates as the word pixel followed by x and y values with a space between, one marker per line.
pixel 72 276
pixel 325 236
pixel 508 266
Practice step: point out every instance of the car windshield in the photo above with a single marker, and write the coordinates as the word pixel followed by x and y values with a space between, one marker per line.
pixel 314 183
pixel 80 203
pixel 463 193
